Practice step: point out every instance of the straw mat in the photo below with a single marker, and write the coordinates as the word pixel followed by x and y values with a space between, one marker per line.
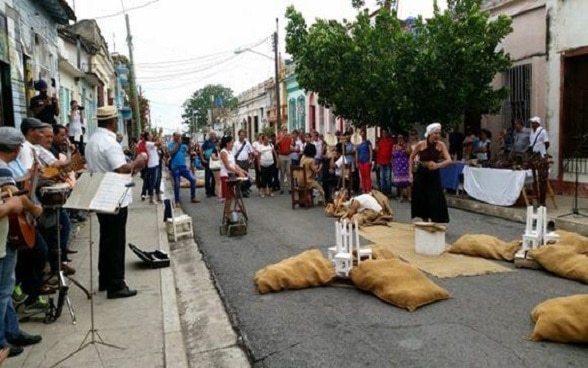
pixel 399 238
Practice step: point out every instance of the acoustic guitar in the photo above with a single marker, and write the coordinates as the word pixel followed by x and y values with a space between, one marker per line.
pixel 22 233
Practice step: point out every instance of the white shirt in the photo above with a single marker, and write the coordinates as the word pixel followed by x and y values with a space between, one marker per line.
pixel 538 139
pixel 25 156
pixel 104 154
pixel 266 155
pixel 339 165
pixel 46 157
pixel 223 170
pixel 244 155
pixel 319 149
pixel 153 154
pixel 75 125
pixel 298 148
pixel 367 202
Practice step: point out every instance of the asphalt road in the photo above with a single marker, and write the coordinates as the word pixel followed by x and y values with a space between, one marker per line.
pixel 486 323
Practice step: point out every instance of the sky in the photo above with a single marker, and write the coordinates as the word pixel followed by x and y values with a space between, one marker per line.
pixel 181 46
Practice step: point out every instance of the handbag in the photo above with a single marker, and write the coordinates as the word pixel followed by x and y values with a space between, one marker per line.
pixel 214 164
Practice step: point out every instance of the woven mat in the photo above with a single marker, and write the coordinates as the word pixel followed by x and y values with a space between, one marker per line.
pixel 399 238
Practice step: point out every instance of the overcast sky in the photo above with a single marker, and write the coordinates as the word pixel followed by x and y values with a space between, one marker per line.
pixel 180 46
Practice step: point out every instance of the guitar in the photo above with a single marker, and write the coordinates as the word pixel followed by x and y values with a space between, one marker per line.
pixel 22 232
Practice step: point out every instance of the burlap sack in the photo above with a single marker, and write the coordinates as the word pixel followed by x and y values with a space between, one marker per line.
pixel 563 261
pixel 562 319
pixel 382 252
pixel 384 202
pixel 575 240
pixel 307 269
pixel 485 246
pixel 397 283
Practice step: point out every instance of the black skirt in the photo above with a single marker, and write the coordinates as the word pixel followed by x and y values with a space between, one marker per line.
pixel 428 199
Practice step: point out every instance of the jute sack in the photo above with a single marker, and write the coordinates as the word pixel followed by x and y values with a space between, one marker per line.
pixel 485 246
pixel 398 283
pixel 562 319
pixel 307 269
pixel 574 240
pixel 384 202
pixel 563 261
pixel 382 252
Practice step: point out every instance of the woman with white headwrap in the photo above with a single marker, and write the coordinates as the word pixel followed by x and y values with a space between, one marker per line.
pixel 428 199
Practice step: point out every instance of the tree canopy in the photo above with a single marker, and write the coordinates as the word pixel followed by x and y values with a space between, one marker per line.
pixel 213 97
pixel 381 71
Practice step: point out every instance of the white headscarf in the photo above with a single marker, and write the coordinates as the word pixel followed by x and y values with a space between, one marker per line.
pixel 431 128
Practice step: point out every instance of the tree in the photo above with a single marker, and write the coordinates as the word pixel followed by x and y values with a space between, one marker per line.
pixel 458 57
pixel 378 72
pixel 197 107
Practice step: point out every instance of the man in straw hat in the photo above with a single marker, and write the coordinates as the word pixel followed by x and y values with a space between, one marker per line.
pixel 104 154
pixel 538 158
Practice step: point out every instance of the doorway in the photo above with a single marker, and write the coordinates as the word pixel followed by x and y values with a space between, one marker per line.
pixel 574 104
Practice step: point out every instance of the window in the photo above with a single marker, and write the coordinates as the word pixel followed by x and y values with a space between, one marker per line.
pixel 518 104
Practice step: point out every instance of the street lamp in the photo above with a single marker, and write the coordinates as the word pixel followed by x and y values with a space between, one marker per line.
pixel 277 76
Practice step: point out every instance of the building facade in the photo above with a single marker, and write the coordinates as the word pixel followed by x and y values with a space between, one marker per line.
pixel 567 92
pixel 526 79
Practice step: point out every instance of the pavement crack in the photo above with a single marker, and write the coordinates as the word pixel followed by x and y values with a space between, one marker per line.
pixel 519 358
pixel 279 351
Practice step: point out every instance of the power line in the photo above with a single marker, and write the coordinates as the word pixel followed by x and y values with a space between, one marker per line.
pixel 123 11
pixel 180 61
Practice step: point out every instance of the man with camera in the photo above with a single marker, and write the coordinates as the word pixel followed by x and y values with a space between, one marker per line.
pixel 76 125
pixel 43 107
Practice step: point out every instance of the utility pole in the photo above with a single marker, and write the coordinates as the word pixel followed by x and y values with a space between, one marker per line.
pixel 136 125
pixel 278 104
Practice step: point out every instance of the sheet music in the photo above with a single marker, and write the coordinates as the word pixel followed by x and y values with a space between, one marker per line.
pixel 110 193
pixel 102 192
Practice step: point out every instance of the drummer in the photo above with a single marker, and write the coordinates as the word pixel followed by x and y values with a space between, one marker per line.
pixel 47 223
pixel 229 169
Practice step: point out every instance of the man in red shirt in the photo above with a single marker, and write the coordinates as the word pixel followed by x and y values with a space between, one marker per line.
pixel 384 161
pixel 283 146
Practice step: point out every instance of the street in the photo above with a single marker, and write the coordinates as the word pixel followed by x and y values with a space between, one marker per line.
pixel 486 323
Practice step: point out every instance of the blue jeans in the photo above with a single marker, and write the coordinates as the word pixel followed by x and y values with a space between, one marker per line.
pixel 152 173
pixel 9 327
pixel 385 178
pixel 179 172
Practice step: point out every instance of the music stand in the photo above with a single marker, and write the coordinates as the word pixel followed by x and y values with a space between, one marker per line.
pixel 575 157
pixel 102 192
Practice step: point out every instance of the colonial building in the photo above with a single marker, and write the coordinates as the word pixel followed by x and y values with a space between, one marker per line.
pixel 526 79
pixel 567 91
pixel 29 51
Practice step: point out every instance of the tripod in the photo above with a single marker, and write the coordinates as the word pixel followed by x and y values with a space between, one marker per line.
pixel 575 210
pixel 92 337
pixel 54 310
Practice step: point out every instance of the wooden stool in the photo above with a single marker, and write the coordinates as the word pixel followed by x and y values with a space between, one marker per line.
pixel 299 190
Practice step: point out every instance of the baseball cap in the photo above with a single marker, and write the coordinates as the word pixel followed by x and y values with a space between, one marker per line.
pixel 32 123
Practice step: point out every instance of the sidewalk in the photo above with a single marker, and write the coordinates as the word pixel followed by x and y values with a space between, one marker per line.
pixel 146 327
pixel 562 215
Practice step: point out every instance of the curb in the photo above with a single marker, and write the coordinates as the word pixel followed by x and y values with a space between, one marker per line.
pixel 175 354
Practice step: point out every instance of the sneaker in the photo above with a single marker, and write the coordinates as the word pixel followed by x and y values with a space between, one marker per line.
pixel 39 306
pixel 18 295
pixel 143 197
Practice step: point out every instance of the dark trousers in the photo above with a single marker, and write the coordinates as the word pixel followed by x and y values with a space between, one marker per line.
pixel 29 268
pixel 208 182
pixel 275 177
pixel 49 233
pixel 111 256
pixel 145 177
pixel 266 176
